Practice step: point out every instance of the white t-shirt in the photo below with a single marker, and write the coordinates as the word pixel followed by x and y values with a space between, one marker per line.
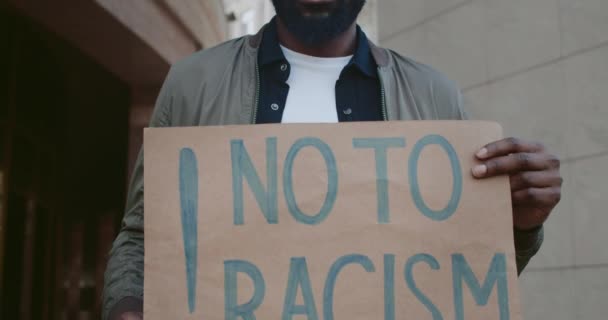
pixel 312 88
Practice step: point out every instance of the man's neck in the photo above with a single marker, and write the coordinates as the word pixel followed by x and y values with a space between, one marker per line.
pixel 343 45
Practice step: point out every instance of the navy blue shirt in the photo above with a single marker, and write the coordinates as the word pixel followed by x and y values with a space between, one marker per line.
pixel 358 91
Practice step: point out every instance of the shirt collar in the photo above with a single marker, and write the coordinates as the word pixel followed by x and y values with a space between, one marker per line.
pixel 271 52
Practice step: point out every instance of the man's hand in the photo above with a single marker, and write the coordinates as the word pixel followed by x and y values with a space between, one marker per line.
pixel 535 178
pixel 131 316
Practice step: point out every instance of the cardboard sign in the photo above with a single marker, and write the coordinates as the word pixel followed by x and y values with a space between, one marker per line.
pixel 326 221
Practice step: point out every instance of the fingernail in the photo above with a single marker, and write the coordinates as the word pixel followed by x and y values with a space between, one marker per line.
pixel 480 170
pixel 482 153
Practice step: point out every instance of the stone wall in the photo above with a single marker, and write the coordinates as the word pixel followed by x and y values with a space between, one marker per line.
pixel 540 67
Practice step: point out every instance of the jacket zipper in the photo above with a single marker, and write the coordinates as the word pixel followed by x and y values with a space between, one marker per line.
pixel 383 98
pixel 257 95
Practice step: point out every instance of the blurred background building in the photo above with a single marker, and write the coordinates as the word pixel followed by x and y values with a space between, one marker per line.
pixel 540 67
pixel 78 80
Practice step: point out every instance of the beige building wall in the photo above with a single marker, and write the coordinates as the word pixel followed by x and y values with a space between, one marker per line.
pixel 540 67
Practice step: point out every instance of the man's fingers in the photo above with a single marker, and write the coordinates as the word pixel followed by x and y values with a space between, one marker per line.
pixel 539 197
pixel 516 162
pixel 507 146
pixel 535 179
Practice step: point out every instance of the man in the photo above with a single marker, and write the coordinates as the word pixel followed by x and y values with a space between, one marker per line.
pixel 313 64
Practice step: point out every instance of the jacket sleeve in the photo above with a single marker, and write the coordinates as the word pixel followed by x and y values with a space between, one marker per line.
pixel 123 285
pixel 527 243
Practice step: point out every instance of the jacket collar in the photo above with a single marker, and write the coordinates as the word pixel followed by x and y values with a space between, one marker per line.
pixel 367 55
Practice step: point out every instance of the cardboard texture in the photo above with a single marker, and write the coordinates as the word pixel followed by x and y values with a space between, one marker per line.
pixel 326 221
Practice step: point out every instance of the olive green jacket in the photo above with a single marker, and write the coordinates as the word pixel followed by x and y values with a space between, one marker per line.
pixel 220 86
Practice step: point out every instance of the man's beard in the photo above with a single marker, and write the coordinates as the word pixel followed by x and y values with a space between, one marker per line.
pixel 318 30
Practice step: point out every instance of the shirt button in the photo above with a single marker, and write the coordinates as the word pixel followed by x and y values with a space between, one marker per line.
pixel 347 111
pixel 283 67
pixel 274 106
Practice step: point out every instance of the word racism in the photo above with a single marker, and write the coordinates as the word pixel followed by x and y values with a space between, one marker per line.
pixel 395 270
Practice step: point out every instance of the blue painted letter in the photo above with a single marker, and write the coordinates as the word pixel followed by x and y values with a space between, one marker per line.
pixel 298 277
pixel 409 279
pixel 381 145
pixel 332 180
pixel 497 274
pixel 389 287
pixel 452 205
pixel 188 193
pixel 242 166
pixel 330 282
pixel 245 311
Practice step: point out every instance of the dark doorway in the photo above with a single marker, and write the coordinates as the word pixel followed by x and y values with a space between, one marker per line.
pixel 63 153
